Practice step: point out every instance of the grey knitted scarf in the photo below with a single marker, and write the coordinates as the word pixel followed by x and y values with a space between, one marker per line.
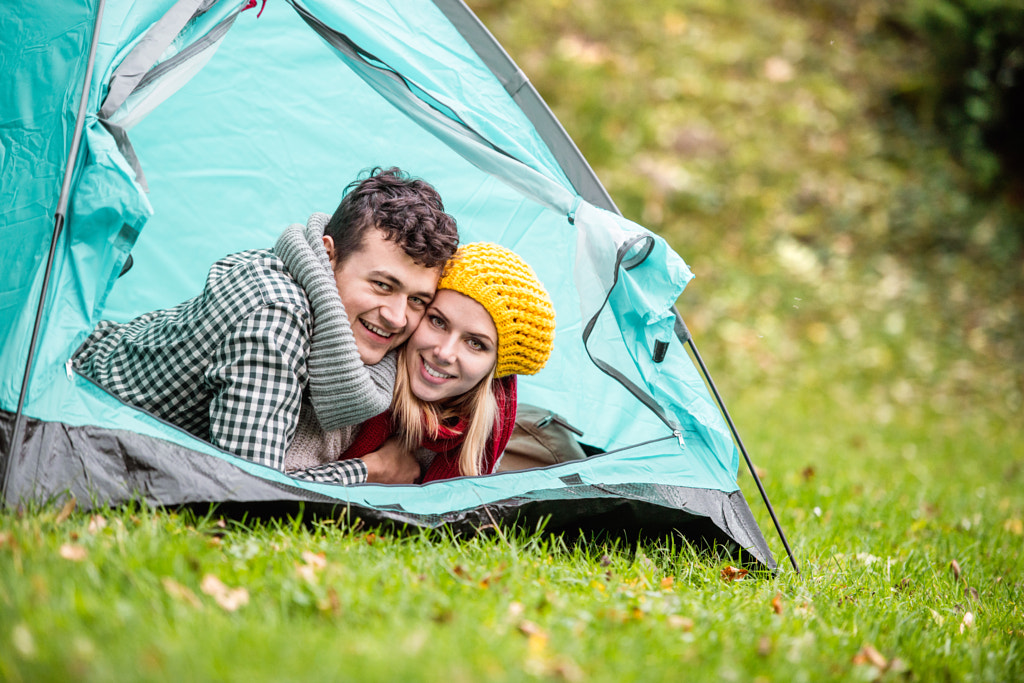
pixel 342 389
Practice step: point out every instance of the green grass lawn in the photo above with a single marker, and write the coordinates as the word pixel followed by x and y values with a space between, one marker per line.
pixel 860 310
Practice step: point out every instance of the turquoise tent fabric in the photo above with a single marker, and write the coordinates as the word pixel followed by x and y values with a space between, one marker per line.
pixel 209 129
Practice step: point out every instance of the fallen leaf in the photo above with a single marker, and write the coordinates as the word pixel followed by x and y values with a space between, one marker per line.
pixel 808 473
pixel 528 628
pixel 667 583
pixel 332 603
pixel 971 593
pixel 778 70
pixel 75 553
pixel 97 523
pixel 682 623
pixel 968 621
pixel 777 603
pixel 305 572
pixel 66 511
pixel 23 641
pixel 180 592
pixel 869 655
pixel 955 566
pixel 317 560
pixel 731 573
pixel 936 617
pixel 228 598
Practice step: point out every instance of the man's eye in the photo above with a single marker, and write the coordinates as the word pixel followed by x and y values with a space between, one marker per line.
pixel 417 302
pixel 383 286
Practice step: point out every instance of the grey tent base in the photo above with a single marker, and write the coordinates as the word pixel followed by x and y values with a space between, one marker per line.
pixel 102 467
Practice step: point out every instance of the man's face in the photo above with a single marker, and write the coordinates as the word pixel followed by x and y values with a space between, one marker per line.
pixel 384 291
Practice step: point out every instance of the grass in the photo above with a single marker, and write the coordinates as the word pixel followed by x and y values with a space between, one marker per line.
pixel 859 307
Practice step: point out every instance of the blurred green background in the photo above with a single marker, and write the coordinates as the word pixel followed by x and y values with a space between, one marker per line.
pixel 843 179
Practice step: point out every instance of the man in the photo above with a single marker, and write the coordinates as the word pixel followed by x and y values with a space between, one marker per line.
pixel 311 322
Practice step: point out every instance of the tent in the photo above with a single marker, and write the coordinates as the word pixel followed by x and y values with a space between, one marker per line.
pixel 168 133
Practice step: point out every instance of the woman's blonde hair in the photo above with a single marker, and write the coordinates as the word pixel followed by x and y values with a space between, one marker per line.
pixel 416 420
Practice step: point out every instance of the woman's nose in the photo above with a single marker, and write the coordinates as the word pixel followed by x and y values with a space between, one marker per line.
pixel 445 350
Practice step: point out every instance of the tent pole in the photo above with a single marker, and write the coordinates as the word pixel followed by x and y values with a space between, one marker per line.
pixel 739 442
pixel 17 434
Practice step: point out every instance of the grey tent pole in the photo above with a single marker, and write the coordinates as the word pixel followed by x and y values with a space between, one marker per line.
pixel 684 335
pixel 17 434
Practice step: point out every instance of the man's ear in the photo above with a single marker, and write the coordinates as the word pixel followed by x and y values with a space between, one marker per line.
pixel 329 246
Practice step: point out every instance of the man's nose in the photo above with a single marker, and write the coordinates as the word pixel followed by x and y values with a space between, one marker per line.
pixel 394 312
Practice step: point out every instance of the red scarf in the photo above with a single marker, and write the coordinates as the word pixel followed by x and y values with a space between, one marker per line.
pixel 447 445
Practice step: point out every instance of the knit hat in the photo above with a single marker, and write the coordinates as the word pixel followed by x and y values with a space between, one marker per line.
pixel 519 305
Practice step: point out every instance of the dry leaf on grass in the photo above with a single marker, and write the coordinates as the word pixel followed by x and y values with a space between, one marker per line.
pixel 180 592
pixel 315 560
pixel 66 511
pixel 777 603
pixel 97 523
pixel 955 566
pixel 968 621
pixel 682 623
pixel 667 583
pixel 228 598
pixel 731 573
pixel 312 564
pixel 75 553
pixel 869 655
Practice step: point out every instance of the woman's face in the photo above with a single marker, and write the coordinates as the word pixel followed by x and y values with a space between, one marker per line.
pixel 453 348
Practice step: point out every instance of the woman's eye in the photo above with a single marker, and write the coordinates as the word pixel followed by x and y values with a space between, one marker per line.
pixel 475 345
pixel 437 322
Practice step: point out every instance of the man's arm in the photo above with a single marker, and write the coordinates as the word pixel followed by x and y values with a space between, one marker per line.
pixel 391 464
pixel 257 375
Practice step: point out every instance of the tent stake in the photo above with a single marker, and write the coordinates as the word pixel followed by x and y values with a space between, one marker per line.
pixel 17 434
pixel 739 442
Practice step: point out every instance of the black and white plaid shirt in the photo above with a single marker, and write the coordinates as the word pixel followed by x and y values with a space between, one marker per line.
pixel 228 366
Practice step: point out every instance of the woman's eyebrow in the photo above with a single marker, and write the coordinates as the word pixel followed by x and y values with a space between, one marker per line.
pixel 482 337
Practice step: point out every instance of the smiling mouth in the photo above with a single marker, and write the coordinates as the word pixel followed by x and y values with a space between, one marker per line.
pixel 437 374
pixel 376 330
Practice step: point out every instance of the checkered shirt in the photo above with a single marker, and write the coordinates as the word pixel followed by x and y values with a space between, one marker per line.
pixel 228 366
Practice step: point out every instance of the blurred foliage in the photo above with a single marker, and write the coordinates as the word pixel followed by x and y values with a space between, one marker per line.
pixel 840 249
pixel 974 89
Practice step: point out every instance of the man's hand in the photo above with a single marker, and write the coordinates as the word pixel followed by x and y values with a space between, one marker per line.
pixel 391 464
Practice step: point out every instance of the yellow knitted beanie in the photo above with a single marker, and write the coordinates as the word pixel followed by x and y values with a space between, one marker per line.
pixel 518 303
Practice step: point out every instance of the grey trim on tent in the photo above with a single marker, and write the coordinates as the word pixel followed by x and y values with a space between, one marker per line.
pixel 519 87
pixel 146 52
pixel 622 263
pixel 138 70
pixel 346 46
pixel 102 467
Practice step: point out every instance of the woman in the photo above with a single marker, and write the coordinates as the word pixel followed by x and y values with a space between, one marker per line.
pixel 455 394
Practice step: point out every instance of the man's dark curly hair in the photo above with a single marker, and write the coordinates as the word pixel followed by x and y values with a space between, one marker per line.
pixel 407 210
